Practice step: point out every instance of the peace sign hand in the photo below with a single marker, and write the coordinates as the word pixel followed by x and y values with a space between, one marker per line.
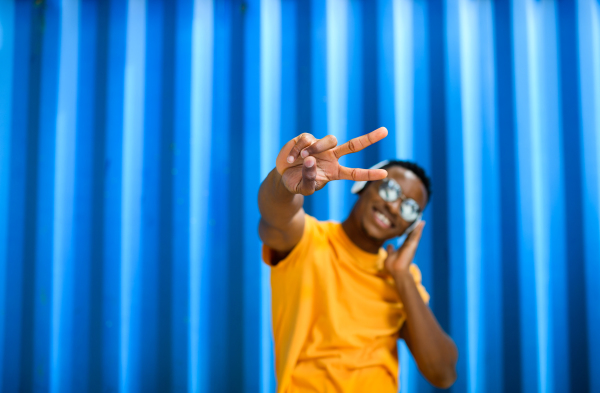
pixel 307 164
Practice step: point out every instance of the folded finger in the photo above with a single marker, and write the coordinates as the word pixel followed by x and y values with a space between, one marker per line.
pixel 309 176
pixel 358 174
pixel 357 144
pixel 321 145
pixel 302 143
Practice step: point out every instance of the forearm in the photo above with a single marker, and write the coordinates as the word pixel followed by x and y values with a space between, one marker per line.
pixel 433 350
pixel 276 204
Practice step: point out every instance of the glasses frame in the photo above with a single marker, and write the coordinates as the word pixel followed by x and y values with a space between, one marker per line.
pixel 403 198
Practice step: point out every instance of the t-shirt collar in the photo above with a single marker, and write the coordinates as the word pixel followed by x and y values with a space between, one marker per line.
pixel 366 260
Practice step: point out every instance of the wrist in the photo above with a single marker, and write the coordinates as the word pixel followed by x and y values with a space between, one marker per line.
pixel 281 188
pixel 402 277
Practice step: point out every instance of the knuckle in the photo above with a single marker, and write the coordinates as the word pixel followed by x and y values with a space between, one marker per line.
pixel 306 138
pixel 351 146
pixel 353 174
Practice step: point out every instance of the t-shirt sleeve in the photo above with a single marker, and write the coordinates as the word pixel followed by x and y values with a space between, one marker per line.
pixel 310 231
pixel 416 273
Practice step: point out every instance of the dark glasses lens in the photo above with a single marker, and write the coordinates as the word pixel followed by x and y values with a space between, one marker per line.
pixel 409 210
pixel 390 191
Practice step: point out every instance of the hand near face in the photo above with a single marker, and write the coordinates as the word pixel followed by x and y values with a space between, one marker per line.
pixel 398 261
pixel 307 164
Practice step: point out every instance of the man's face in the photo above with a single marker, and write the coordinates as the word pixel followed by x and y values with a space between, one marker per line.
pixel 382 220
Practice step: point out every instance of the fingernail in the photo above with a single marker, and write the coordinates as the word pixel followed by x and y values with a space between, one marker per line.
pixel 290 159
pixel 310 163
pixel 304 154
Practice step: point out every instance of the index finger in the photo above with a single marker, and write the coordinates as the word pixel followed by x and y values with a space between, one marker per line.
pixel 358 174
pixel 357 144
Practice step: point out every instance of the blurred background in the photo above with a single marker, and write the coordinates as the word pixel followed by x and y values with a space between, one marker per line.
pixel 134 136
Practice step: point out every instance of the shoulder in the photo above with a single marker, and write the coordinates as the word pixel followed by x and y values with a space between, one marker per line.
pixel 315 234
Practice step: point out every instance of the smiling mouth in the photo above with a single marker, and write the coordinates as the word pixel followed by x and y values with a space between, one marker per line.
pixel 382 219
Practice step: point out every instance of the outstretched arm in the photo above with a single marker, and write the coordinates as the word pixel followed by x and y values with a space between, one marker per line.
pixel 305 165
pixel 434 351
pixel 282 216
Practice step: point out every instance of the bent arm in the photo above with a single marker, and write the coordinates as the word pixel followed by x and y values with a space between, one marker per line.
pixel 282 216
pixel 434 351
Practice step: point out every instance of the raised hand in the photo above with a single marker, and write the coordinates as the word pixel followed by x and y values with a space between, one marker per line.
pixel 398 261
pixel 307 164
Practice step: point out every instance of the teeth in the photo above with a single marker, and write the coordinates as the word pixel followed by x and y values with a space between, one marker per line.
pixel 383 218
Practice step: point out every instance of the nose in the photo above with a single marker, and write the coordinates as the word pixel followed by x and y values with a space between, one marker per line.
pixel 394 207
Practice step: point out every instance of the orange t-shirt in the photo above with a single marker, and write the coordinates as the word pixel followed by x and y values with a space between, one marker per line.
pixel 336 317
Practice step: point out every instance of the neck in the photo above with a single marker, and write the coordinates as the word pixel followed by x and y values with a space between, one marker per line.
pixel 359 236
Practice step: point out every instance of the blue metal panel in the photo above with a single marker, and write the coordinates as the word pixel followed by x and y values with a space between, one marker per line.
pixel 588 15
pixel 110 103
pixel 64 192
pixel 7 39
pixel 256 373
pixel 134 137
pixel 200 154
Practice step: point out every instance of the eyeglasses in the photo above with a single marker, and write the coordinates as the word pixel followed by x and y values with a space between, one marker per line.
pixel 390 191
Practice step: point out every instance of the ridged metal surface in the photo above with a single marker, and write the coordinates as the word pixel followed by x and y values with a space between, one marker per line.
pixel 134 136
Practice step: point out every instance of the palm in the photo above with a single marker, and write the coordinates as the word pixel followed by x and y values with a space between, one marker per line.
pixel 327 166
pixel 326 155
pixel 399 260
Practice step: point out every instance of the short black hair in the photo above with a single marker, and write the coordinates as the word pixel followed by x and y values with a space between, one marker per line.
pixel 414 168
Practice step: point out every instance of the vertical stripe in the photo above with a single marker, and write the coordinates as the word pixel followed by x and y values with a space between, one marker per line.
pixel 154 187
pixel 456 131
pixel 575 304
pixel 528 299
pixel 540 126
pixel 547 196
pixel 251 98
pixel 42 241
pixel 386 74
pixel 589 69
pixel 337 90
pixel 87 344
pixel 421 153
pixel 403 77
pixel 403 109
pixel 471 125
pixel 440 223
pixel 7 38
pixel 133 147
pixel 200 140
pixel 492 197
pixel 181 196
pixel 538 206
pixel 64 184
pixel 18 311
pixel 270 124
pixel 116 25
pixel 508 239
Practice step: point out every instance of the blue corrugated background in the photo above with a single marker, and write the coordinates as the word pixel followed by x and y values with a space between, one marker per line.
pixel 134 136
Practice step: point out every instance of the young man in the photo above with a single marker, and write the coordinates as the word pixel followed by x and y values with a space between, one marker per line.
pixel 340 301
